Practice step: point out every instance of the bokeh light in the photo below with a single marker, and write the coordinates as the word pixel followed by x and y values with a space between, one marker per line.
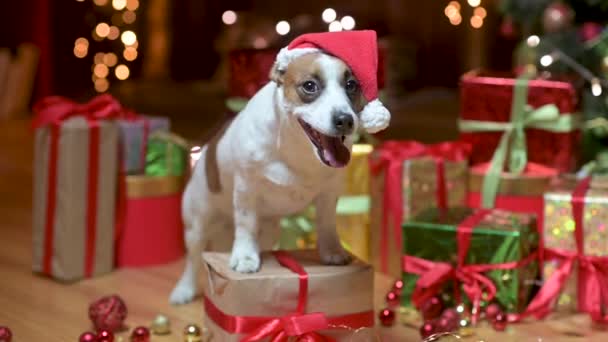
pixel 119 4
pixel 122 72
pixel 348 22
pixel 102 30
pixel 335 26
pixel 283 27
pixel 229 17
pixel 128 38
pixel 130 53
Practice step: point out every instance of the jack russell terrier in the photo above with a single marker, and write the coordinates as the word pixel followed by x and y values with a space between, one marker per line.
pixel 284 150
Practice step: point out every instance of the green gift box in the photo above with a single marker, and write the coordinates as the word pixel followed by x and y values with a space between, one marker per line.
pixel 167 155
pixel 497 238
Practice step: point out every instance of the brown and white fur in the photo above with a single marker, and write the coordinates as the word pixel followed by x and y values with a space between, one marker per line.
pixel 269 167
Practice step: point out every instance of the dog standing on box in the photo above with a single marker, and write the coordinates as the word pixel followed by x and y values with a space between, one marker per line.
pixel 284 151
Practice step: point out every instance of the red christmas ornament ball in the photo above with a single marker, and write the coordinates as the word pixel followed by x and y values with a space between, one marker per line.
pixel 492 310
pixel 557 17
pixel 6 335
pixel 108 313
pixel 398 287
pixel 140 334
pixel 590 30
pixel 392 299
pixel 445 324
pixel 500 322
pixel 87 337
pixel 105 336
pixel 451 314
pixel 427 329
pixel 387 317
pixel 432 308
pixel 507 28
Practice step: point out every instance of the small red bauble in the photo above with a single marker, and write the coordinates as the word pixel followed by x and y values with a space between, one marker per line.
pixel 87 337
pixel 432 308
pixel 108 313
pixel 590 30
pixel 6 335
pixel 387 317
pixel 140 334
pixel 105 336
pixel 427 329
pixel 445 324
pixel 392 299
pixel 398 287
pixel 450 314
pixel 500 322
pixel 492 310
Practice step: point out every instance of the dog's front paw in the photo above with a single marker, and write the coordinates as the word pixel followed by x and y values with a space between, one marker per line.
pixel 334 256
pixel 183 293
pixel 245 259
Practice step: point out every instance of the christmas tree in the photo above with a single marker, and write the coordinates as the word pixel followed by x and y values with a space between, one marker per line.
pixel 566 40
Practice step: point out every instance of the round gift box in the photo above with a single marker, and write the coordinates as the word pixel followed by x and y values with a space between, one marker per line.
pixel 153 231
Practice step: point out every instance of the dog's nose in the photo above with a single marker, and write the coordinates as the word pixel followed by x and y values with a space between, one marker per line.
pixel 344 123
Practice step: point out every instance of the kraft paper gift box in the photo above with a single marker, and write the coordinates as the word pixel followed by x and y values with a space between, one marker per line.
pixel 153 231
pixel 135 131
pixel 408 177
pixel 332 296
pixel 74 199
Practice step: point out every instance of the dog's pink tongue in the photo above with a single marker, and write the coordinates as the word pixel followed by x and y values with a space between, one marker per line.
pixel 334 151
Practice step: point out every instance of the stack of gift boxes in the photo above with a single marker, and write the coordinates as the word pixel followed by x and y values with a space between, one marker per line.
pixel 107 188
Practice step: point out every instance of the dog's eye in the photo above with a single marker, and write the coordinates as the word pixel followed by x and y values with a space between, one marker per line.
pixel 310 87
pixel 352 86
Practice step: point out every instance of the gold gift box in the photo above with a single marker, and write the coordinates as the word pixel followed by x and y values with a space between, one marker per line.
pixel 419 186
pixel 559 229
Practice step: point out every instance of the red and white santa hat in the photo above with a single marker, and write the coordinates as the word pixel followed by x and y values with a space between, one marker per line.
pixel 359 50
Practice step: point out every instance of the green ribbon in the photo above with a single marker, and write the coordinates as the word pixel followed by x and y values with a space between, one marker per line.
pixel 166 155
pixel 513 141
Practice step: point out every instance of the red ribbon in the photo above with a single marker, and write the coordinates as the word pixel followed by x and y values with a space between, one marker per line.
pixel 52 111
pixel 434 275
pixel 392 155
pixel 592 282
pixel 305 326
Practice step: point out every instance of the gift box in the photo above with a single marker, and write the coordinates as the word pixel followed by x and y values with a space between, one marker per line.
pixel 522 193
pixel 352 212
pixel 295 296
pixel 167 155
pixel 489 254
pixel 408 177
pixel 135 131
pixel 75 184
pixel 576 248
pixel 543 111
pixel 152 222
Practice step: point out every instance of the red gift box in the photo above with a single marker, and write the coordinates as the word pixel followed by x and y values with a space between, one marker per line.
pixel 153 230
pixel 489 98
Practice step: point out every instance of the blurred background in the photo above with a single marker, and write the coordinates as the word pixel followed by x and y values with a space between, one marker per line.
pixel 180 58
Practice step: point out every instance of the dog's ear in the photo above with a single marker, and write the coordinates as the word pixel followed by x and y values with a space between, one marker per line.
pixel 276 74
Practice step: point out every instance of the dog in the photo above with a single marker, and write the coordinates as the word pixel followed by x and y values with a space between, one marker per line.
pixel 285 150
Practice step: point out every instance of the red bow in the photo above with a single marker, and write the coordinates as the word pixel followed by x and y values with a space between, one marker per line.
pixel 305 327
pixel 434 275
pixel 390 158
pixel 55 109
pixel 592 282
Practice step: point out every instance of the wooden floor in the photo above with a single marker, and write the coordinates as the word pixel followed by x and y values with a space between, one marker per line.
pixel 38 309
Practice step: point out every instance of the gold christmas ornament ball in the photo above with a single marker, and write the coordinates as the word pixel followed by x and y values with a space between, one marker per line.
pixel 161 325
pixel 192 333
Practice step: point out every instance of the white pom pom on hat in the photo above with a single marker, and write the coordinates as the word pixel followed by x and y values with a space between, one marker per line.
pixel 359 50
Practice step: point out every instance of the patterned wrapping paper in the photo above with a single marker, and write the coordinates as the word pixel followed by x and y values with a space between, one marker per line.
pixel 501 237
pixel 276 290
pixel 352 212
pixel 488 97
pixel 419 186
pixel 71 242
pixel 134 135
pixel 559 229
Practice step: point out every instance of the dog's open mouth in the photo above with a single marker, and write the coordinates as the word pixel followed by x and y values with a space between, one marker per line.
pixel 331 150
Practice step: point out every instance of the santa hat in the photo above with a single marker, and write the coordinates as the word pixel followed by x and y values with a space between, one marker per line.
pixel 359 50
